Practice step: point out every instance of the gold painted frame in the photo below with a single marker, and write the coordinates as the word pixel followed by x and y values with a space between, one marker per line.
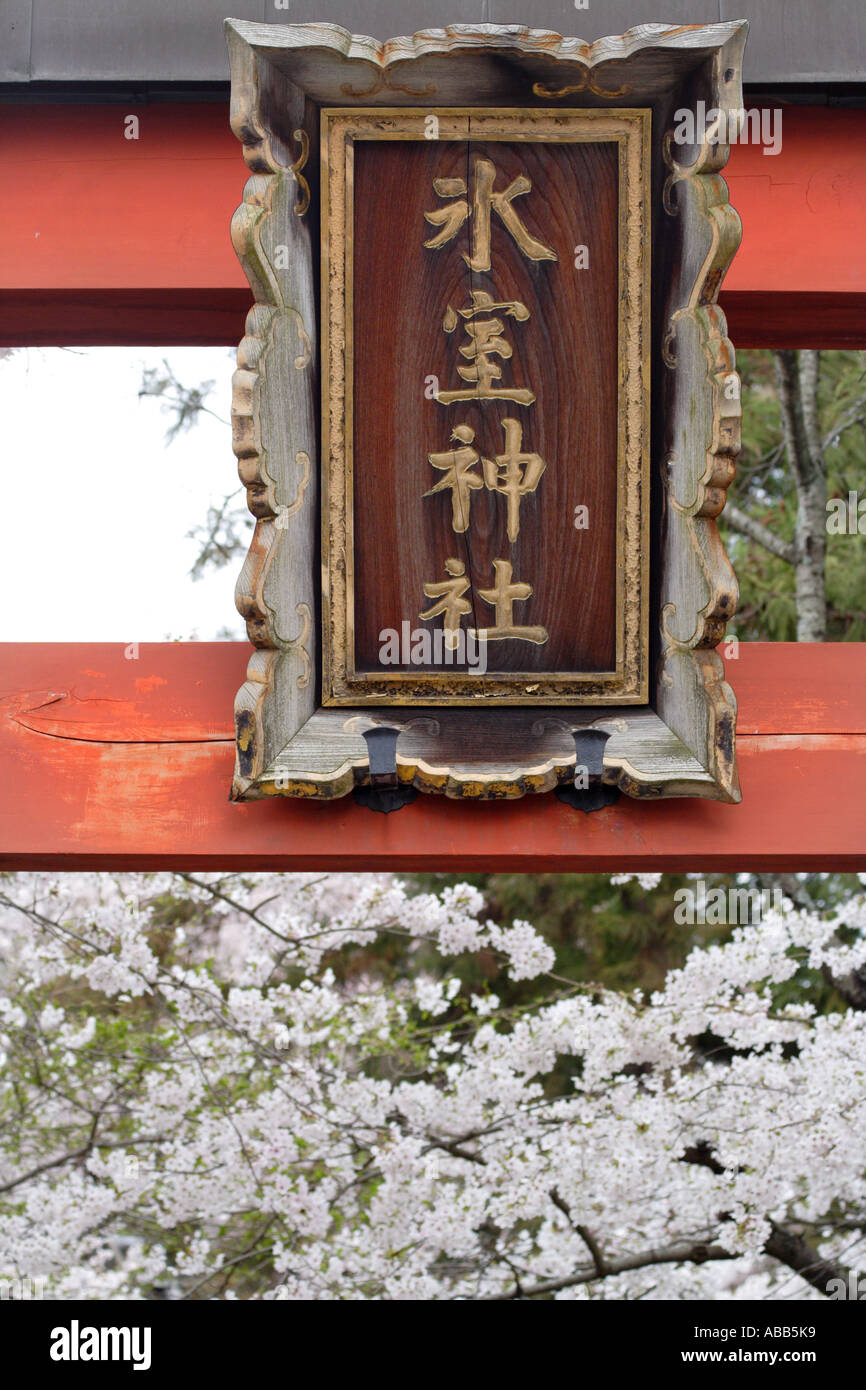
pixel 628 684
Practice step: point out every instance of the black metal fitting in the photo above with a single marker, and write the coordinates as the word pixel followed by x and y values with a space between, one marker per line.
pixel 385 792
pixel 588 792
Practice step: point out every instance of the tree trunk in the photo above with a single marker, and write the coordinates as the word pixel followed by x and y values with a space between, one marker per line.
pixel 797 376
pixel 809 566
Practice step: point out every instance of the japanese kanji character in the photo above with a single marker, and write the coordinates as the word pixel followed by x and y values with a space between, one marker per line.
pixel 484 201
pixel 457 465
pixel 513 473
pixel 503 597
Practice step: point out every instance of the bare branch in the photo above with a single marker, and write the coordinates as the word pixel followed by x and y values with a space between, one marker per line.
pixel 75 1155
pixel 757 531
pixel 852 987
pixel 794 430
pixel 680 1252
pixel 793 1251
pixel 785 1246
pixel 454 1147
pixel 238 907
pixel 855 415
pixel 585 1234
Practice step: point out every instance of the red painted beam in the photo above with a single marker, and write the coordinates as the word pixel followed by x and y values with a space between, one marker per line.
pixel 109 240
pixel 130 318
pixel 116 763
pixel 83 208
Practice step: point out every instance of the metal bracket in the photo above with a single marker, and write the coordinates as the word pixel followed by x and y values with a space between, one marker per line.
pixel 385 793
pixel 588 793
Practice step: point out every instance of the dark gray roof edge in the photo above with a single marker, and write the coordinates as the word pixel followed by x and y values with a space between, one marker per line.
pixel 827 92
pixel 821 43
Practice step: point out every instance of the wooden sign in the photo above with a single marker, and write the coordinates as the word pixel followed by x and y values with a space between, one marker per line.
pixel 491 394
pixel 528 411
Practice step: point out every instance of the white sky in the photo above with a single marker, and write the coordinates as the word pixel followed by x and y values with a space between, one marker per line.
pixel 96 506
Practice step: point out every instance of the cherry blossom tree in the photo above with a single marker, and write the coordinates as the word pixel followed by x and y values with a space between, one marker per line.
pixel 282 1087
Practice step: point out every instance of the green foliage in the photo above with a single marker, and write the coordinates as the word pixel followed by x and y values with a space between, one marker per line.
pixel 765 489
pixel 621 936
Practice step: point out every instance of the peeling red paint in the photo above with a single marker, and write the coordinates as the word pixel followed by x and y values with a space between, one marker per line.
pixel 139 779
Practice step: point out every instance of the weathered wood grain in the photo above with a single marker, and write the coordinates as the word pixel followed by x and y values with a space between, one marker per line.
pixel 343 132
pixel 700 406
pixel 465 753
pixel 274 419
pixel 654 67
pixel 440 65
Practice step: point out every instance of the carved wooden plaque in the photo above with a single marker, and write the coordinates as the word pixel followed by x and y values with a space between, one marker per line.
pixel 491 388
pixel 483 409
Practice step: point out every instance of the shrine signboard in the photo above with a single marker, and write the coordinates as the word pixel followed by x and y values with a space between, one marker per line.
pixel 495 385
pixel 486 412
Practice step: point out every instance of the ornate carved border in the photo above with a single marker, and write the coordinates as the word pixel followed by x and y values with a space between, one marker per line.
pixel 313 54
pixel 702 440
pixel 281 75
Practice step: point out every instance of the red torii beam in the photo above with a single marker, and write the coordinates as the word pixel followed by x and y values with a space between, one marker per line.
pixel 112 764
pixel 109 240
pixel 116 763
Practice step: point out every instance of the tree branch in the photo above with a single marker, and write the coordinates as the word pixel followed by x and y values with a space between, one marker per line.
pixel 855 415
pixel 789 383
pixel 852 987
pixel 785 1246
pixel 793 1251
pixel 585 1234
pixel 453 1147
pixel 75 1155
pixel 797 382
pixel 680 1252
pixel 757 531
